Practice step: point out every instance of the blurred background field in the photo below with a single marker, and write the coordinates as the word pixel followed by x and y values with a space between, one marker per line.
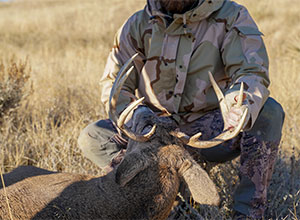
pixel 52 55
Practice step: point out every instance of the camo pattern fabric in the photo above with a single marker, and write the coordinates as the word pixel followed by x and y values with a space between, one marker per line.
pixel 257 163
pixel 175 54
pixel 257 159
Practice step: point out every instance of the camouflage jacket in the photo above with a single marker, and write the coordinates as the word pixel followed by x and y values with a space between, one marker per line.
pixel 176 53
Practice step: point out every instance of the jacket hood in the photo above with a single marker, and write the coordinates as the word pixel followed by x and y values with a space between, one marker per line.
pixel 200 12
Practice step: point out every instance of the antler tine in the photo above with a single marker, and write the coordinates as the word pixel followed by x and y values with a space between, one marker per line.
pixel 126 112
pixel 220 96
pixel 115 92
pixel 114 95
pixel 127 131
pixel 224 136
pixel 241 96
pixel 122 72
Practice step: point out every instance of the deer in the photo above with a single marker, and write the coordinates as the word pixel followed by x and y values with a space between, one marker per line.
pixel 144 185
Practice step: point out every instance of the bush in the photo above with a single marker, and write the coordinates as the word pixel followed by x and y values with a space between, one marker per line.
pixel 13 80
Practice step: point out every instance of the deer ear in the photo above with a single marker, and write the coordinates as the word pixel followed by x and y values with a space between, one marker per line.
pixel 130 166
pixel 200 185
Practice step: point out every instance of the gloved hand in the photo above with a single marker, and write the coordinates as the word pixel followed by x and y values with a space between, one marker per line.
pixel 235 112
pixel 142 111
pixel 140 118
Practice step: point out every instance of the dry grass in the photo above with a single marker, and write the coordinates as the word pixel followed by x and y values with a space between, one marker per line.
pixel 57 93
pixel 5 194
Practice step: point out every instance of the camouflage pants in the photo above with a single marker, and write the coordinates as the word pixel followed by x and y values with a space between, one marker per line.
pixel 257 149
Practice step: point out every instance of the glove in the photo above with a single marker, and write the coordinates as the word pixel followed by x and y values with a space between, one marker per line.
pixel 139 113
pixel 142 112
pixel 235 112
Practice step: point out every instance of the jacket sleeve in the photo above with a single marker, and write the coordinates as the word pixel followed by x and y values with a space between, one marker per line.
pixel 246 60
pixel 125 46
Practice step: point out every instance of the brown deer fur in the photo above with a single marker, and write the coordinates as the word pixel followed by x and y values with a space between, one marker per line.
pixel 143 186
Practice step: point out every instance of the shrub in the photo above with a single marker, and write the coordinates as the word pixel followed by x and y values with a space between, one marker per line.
pixel 13 80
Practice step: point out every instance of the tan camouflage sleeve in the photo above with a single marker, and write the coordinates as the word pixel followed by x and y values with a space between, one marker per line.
pixel 246 60
pixel 124 48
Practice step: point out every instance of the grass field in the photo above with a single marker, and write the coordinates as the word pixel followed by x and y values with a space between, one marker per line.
pixel 52 55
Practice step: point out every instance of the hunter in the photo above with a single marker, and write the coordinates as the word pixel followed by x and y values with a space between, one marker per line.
pixel 178 42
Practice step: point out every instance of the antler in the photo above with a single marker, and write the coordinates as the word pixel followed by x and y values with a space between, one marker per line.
pixel 113 99
pixel 226 134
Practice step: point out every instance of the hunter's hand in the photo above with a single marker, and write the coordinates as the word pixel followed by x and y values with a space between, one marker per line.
pixel 234 116
pixel 137 117
pixel 235 112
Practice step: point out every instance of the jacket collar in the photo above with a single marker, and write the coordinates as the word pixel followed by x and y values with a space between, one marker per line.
pixel 200 12
pixel 178 24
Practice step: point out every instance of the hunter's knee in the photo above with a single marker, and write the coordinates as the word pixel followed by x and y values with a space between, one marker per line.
pixel 85 140
pixel 268 125
pixel 95 142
